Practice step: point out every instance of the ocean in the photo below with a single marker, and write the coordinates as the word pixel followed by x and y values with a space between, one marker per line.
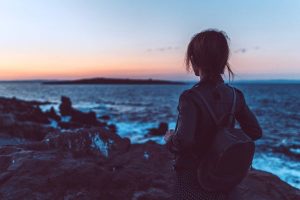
pixel 136 108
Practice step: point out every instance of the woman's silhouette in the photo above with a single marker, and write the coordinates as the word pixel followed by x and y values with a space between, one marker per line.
pixel 207 54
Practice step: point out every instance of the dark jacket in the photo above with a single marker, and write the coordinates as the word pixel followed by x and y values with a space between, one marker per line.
pixel 195 128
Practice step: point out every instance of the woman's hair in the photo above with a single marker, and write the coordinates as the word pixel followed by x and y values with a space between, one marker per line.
pixel 209 51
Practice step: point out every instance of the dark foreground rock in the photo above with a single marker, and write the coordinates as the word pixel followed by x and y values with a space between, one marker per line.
pixel 78 118
pixel 96 164
pixel 25 119
pixel 22 119
pixel 160 131
pixel 92 162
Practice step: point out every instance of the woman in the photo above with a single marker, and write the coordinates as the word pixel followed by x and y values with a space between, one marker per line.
pixel 207 54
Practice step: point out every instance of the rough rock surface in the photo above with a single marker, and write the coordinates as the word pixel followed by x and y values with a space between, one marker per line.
pixel 161 130
pixel 96 163
pixel 22 119
pixel 73 167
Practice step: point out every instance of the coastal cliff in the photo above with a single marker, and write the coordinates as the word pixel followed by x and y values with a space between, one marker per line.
pixel 45 156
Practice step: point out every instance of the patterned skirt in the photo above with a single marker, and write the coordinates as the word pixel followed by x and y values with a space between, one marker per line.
pixel 188 188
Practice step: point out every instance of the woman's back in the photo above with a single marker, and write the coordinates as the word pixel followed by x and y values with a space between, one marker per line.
pixel 207 54
pixel 195 127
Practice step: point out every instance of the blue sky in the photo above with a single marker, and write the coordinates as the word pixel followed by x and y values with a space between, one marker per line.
pixel 139 38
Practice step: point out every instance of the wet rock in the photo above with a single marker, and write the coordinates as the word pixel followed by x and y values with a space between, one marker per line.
pixel 23 110
pixel 34 115
pixel 88 141
pixel 161 130
pixel 288 151
pixel 65 107
pixel 112 128
pixel 69 125
pixel 84 118
pixel 105 117
pixel 88 162
pixel 52 114
pixel 22 129
pixel 51 170
pixel 263 185
pixel 77 117
pixel 22 119
pixel 7 120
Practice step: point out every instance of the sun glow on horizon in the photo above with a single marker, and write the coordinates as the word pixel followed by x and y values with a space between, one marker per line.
pixel 79 39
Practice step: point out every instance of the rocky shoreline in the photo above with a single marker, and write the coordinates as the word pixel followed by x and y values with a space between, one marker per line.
pixel 75 155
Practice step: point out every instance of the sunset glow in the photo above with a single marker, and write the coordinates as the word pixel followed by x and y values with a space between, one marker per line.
pixel 143 39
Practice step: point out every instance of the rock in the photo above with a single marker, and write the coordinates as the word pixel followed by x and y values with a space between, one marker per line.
pixel 65 107
pixel 53 115
pixel 105 117
pixel 78 118
pixel 161 130
pixel 112 128
pixel 69 125
pixel 90 161
pixel 34 115
pixel 70 165
pixel 261 185
pixel 84 118
pixel 88 141
pixel 29 130
pixel 7 120
pixel 23 110
pixel 23 129
pixel 22 119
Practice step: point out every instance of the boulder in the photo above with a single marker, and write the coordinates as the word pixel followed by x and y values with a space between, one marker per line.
pixel 105 117
pixel 10 126
pixel 84 118
pixel 65 107
pixel 23 110
pixel 160 131
pixel 78 118
pixel 96 164
pixel 52 114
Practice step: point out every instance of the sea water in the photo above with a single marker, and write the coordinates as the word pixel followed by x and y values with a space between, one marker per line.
pixel 136 108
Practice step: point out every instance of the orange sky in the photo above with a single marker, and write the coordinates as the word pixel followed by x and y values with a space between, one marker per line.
pixel 143 65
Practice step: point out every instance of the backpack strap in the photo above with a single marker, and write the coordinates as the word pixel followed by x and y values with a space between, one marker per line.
pixel 208 107
pixel 231 114
pixel 211 112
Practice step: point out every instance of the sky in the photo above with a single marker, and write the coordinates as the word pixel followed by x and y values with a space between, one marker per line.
pixel 70 39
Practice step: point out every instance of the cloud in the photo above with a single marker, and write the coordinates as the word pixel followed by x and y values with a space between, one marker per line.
pixel 162 49
pixel 241 50
pixel 245 50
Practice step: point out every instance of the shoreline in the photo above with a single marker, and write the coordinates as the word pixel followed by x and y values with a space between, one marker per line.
pixel 278 159
pixel 91 141
pixel 91 160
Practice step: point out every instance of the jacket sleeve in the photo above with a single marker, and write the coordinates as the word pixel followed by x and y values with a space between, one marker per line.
pixel 248 121
pixel 183 138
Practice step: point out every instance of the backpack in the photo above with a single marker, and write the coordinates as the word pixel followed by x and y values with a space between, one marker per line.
pixel 230 155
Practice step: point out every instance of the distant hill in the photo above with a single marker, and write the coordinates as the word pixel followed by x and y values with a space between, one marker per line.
pixel 112 81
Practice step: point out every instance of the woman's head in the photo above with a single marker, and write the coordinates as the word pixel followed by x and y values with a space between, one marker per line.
pixel 207 54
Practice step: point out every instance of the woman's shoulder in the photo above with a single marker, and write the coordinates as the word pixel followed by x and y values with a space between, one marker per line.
pixel 186 94
pixel 237 90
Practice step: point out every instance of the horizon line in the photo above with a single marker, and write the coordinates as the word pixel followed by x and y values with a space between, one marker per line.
pixel 187 81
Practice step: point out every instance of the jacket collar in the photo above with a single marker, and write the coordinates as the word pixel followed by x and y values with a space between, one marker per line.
pixel 218 80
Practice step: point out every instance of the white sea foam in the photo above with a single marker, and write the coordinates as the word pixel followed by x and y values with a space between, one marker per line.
pixel 146 155
pixel 100 145
pixel 66 118
pixel 53 123
pixel 285 168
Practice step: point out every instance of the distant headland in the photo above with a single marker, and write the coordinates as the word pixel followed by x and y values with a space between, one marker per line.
pixel 102 80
